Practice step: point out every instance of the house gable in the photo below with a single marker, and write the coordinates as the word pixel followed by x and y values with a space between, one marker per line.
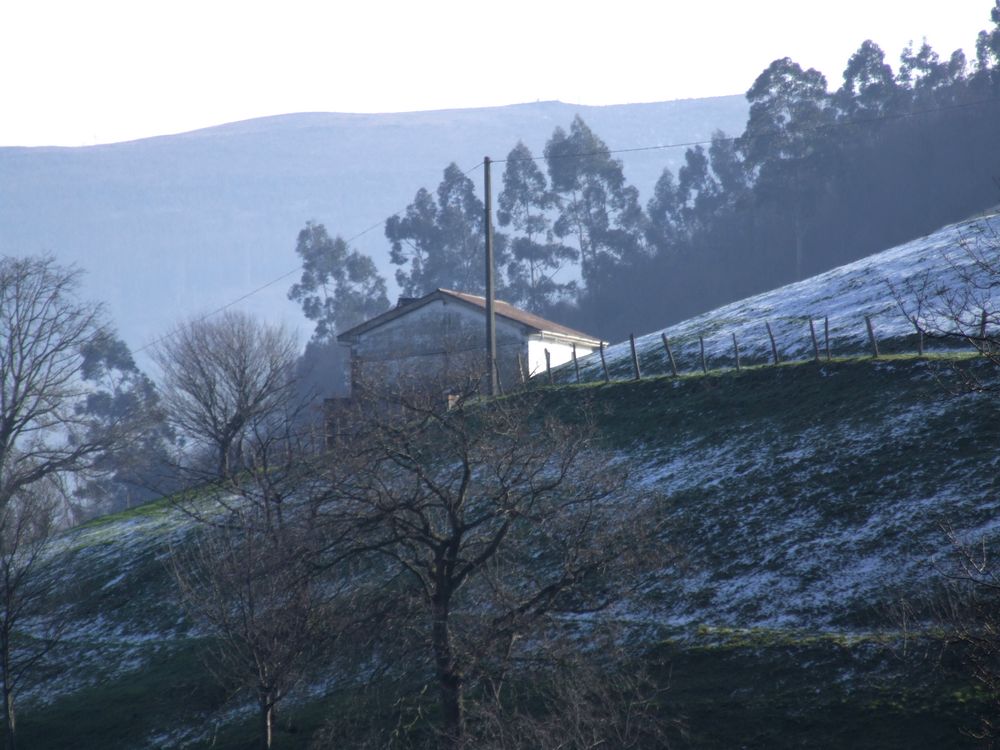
pixel 442 335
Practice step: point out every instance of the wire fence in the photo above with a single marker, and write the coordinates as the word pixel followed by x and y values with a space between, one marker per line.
pixel 691 355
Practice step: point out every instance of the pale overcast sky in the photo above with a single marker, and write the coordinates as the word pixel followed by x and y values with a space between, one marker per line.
pixel 77 73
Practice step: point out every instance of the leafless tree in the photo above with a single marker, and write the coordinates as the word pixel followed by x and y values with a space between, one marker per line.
pixel 580 704
pixel 961 309
pixel 964 310
pixel 249 582
pixel 967 611
pixel 26 594
pixel 50 439
pixel 219 374
pixel 508 526
pixel 250 573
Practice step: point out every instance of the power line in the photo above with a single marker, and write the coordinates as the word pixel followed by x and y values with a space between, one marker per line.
pixel 262 287
pixel 733 139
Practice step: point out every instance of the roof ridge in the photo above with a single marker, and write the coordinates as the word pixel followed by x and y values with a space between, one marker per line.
pixel 501 307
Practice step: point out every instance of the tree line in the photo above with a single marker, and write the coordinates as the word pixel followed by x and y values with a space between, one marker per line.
pixel 818 178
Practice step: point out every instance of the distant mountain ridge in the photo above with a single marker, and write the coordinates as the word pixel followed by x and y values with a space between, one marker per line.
pixel 175 226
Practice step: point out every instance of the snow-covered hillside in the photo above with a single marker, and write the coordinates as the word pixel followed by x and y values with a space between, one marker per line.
pixel 810 496
pixel 844 295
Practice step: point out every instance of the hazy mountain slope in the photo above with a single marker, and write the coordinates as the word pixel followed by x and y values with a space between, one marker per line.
pixel 177 225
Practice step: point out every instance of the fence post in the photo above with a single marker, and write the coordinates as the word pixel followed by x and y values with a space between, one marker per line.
pixel 604 365
pixel 920 336
pixel 670 354
pixel 548 365
pixel 826 335
pixel 871 337
pixel 812 332
pixel 774 346
pixel 736 352
pixel 635 357
pixel 576 365
pixel 704 364
pixel 982 333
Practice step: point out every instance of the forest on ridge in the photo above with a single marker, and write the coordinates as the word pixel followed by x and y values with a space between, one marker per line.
pixel 819 177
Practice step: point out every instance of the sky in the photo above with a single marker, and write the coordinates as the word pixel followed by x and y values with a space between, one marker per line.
pixel 77 73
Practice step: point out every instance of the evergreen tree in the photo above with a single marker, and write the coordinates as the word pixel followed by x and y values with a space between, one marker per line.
pixel 441 243
pixel 339 287
pixel 870 88
pixel 988 44
pixel 599 209
pixel 931 81
pixel 146 470
pixel 535 258
pixel 786 147
pixel 664 212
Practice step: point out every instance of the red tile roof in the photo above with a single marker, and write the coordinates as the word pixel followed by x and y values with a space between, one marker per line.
pixel 535 323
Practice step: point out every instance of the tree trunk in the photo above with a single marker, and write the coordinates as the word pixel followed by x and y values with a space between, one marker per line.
pixel 8 705
pixel 449 679
pixel 266 720
pixel 10 724
pixel 6 628
pixel 223 462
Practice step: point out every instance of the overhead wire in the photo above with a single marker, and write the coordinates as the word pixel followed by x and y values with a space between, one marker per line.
pixel 733 139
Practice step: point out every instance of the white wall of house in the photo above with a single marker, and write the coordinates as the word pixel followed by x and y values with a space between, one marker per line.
pixel 560 352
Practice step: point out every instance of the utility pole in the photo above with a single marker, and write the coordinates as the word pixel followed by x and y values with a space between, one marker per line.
pixel 491 327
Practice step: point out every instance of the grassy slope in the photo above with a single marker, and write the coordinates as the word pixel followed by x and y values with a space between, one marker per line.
pixel 814 491
pixel 807 498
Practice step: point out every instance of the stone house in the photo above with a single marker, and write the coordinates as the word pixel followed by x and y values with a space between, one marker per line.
pixel 441 336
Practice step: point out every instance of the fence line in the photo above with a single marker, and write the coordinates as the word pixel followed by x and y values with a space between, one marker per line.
pixel 633 365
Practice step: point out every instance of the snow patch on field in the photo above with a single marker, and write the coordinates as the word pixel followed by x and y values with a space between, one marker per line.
pixel 844 295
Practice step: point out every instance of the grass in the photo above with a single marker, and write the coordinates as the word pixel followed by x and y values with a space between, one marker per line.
pixel 780 689
pixel 169 690
pixel 761 472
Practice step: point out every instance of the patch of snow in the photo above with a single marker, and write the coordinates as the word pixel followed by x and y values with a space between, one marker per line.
pixel 844 296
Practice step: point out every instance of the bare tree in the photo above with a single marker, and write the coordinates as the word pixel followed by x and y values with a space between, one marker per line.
pixel 49 439
pixel 26 594
pixel 250 574
pixel 584 703
pixel 967 612
pixel 961 309
pixel 508 526
pixel 252 590
pixel 219 374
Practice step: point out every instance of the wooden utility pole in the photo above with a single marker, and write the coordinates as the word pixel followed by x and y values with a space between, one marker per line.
pixel 491 324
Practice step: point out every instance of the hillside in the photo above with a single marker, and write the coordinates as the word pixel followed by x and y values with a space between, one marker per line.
pixel 807 501
pixel 178 225
pixel 844 296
